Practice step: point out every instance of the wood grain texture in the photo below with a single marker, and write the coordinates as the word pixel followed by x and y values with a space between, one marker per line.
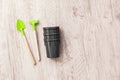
pixel 90 40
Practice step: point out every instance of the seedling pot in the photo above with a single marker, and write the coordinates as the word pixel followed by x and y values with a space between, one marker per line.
pixel 52 41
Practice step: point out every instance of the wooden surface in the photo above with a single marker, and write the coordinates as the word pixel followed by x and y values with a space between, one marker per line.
pixel 90 40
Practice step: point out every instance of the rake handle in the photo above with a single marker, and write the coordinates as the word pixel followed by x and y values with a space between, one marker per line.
pixel 36 37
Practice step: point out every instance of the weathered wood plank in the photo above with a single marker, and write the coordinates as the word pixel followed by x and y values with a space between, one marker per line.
pixel 90 42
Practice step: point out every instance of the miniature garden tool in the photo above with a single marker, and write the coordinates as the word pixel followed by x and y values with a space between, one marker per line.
pixel 20 27
pixel 34 23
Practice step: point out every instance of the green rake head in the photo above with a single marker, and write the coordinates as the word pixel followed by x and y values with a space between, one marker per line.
pixel 33 23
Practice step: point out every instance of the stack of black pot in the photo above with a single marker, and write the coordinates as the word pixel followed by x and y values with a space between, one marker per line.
pixel 52 41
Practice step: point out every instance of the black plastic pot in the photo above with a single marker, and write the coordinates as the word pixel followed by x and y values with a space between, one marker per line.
pixel 52 41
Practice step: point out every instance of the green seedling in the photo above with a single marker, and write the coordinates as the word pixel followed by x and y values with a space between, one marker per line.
pixel 33 23
pixel 20 26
